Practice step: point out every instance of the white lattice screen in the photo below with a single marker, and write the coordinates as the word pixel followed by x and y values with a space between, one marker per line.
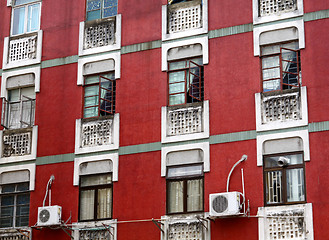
pixel 96 133
pixel 269 7
pixel 95 235
pixel 281 108
pixel 184 121
pixel 16 144
pixel 99 35
pixel 12 234
pixel 184 19
pixel 286 225
pixel 22 49
pixel 185 231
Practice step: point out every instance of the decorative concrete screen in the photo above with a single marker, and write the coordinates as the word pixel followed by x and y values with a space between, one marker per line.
pixel 270 7
pixel 90 234
pixel 97 133
pixel 183 17
pixel 186 231
pixel 99 34
pixel 17 143
pixel 185 120
pixel 22 49
pixel 281 107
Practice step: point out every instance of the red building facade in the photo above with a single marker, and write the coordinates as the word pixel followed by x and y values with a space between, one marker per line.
pixel 119 119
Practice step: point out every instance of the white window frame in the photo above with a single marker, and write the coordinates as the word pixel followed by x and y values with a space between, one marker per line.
pixel 26 16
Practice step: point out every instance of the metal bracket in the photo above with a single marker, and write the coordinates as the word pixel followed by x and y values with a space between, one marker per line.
pixel 22 232
pixel 157 224
pixel 200 219
pixel 108 228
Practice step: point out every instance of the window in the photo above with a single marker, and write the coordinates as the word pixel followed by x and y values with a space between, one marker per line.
pixel 284 179
pixel 185 80
pixel 185 189
pixel 18 109
pixel 97 9
pixel 99 95
pixel 15 205
pixel 95 197
pixel 280 67
pixel 25 16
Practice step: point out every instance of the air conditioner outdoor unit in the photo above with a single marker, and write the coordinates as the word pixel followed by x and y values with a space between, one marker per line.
pixel 224 204
pixel 50 215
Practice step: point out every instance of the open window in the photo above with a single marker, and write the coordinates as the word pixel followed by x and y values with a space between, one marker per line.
pixel 99 95
pixel 280 67
pixel 15 199
pixel 99 9
pixel 185 81
pixel 25 16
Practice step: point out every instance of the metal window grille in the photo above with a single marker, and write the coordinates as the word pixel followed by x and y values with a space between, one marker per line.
pixel 185 18
pixel 270 7
pixel 282 107
pixel 186 231
pixel 97 133
pixel 22 49
pixel 16 143
pixel 99 34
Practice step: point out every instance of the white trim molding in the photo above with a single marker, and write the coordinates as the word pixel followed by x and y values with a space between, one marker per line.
pixel 289 215
pixel 166 46
pixel 7 65
pixel 258 30
pixel 204 146
pixel 187 219
pixel 276 17
pixel 30 167
pixel 116 56
pixel 260 126
pixel 115 137
pixel 303 134
pixel 185 137
pixel 111 47
pixel 114 157
pixel 15 159
pixel 6 75
pixel 96 226
pixel 169 36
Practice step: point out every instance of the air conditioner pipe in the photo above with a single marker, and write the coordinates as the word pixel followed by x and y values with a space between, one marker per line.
pixel 48 189
pixel 243 158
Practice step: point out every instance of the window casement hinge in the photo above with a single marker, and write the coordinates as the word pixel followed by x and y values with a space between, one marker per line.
pixel 158 224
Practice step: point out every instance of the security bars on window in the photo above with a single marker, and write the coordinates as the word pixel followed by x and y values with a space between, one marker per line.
pixel 281 107
pixel 99 34
pixel 270 7
pixel 22 49
pixel 185 120
pixel 97 133
pixel 184 18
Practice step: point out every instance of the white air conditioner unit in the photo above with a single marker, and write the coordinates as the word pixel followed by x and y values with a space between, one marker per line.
pixel 50 215
pixel 224 204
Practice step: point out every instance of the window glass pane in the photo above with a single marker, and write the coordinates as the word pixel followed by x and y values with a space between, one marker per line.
pixel 177 99
pixel 23 199
pixel 273 187
pixel 18 20
pixel 7 211
pixel 295 185
pixel 175 197
pixel 91 91
pixel 177 88
pixel 19 2
pixel 8 188
pixel 193 170
pixel 90 112
pixel 279 161
pixel 96 180
pixel 271 85
pixel 93 5
pixel 104 204
pixel 22 221
pixel 92 79
pixel 33 17
pixel 177 65
pixel 93 15
pixel 197 61
pixel 87 203
pixel 23 187
pixel 195 195
pixel 177 76
pixel 271 73
pixel 269 62
pixel 6 222
pixel 109 12
pixel 22 210
pixel 13 95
